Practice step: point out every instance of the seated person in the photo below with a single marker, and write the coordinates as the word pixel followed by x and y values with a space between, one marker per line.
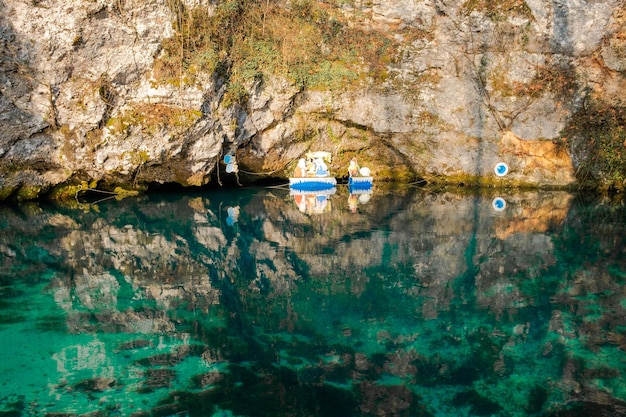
pixel 321 169
pixel 301 170
pixel 353 168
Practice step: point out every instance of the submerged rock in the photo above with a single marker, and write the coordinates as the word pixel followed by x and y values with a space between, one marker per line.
pixel 95 384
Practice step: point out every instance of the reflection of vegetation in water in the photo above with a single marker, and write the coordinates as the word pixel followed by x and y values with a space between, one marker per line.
pixel 590 246
pixel 167 308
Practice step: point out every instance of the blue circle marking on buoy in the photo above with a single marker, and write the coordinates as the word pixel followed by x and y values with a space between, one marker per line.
pixel 498 204
pixel 501 169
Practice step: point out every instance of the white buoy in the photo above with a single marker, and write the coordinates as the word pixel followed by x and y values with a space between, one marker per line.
pixel 501 169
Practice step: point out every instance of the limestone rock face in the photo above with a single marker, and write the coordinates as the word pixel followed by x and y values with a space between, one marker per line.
pixel 82 95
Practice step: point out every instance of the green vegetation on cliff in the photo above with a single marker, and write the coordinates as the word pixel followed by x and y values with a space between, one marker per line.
pixel 597 137
pixel 240 41
pixel 498 10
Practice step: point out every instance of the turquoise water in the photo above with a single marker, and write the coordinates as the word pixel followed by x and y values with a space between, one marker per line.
pixel 254 302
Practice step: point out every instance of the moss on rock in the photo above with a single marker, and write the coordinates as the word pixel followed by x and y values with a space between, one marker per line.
pixel 6 192
pixel 65 192
pixel 27 193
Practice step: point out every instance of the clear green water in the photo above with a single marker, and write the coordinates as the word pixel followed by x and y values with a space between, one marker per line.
pixel 251 303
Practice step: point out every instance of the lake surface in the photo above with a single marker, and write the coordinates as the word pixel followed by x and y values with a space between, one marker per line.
pixel 255 302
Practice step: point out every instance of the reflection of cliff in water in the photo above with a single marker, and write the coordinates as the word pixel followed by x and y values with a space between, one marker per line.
pixel 363 308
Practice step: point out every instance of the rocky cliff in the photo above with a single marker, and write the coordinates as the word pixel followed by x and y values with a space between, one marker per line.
pixel 131 93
